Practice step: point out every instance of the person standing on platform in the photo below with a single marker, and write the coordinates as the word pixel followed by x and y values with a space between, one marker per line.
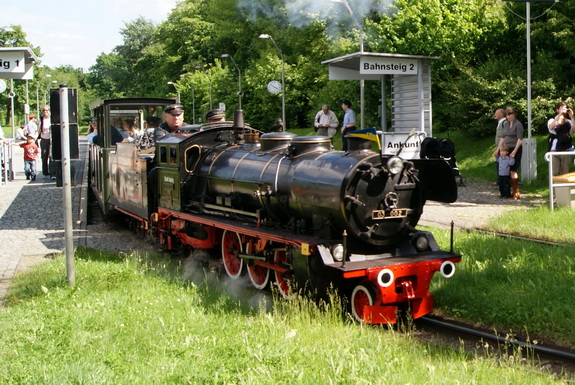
pixel 560 128
pixel 501 116
pixel 512 136
pixel 45 136
pixel 348 122
pixel 31 152
pixel 325 122
pixel 504 163
pixel 32 127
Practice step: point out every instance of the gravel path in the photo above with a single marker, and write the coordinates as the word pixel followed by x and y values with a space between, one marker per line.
pixel 478 202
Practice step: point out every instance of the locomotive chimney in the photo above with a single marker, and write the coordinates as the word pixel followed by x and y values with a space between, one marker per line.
pixel 239 126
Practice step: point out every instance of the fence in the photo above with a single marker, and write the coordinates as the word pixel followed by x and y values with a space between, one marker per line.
pixel 550 157
pixel 6 169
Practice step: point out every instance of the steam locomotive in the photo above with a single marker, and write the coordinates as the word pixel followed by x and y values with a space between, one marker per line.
pixel 285 209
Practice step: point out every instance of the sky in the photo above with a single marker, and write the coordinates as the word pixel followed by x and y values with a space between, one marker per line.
pixel 75 32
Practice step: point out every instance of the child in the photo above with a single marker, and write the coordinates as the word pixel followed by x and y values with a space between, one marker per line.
pixel 20 135
pixel 503 179
pixel 31 152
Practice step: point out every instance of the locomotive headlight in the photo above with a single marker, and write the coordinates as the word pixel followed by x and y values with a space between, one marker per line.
pixel 337 252
pixel 385 278
pixel 421 243
pixel 447 269
pixel 395 165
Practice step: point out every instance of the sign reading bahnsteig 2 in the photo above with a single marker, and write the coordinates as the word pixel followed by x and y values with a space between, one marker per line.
pixel 387 66
pixel 12 62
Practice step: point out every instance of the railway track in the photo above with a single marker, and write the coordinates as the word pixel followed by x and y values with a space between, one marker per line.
pixel 521 238
pixel 559 359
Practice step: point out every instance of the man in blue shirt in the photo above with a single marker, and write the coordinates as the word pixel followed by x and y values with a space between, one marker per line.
pixel 348 122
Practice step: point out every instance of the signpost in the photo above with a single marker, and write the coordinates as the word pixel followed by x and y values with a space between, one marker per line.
pixel 16 63
pixel 66 184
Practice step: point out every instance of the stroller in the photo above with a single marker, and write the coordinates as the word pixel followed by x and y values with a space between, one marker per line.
pixel 433 148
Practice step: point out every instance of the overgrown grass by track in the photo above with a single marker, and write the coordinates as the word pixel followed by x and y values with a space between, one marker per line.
pixel 126 323
pixel 508 284
pixel 538 223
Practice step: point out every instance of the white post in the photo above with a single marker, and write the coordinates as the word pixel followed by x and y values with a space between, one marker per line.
pixel 12 107
pixel 66 184
pixel 529 159
pixel 193 106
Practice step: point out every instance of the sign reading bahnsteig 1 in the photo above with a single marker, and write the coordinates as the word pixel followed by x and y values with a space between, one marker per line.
pixel 387 66
pixel 12 62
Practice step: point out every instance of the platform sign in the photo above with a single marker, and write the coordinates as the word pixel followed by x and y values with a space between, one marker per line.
pixel 410 145
pixel 17 63
pixel 377 65
pixel 12 62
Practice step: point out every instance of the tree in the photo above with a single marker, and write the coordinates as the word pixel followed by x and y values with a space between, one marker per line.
pixel 124 71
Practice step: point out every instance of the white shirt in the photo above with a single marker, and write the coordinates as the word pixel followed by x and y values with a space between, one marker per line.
pixel 321 119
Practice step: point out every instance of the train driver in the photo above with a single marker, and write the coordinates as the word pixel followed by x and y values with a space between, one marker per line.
pixel 173 121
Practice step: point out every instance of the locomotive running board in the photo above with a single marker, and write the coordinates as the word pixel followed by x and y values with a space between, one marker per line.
pixel 353 269
pixel 275 235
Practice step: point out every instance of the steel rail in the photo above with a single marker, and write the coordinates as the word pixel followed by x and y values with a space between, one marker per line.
pixel 538 349
pixel 520 238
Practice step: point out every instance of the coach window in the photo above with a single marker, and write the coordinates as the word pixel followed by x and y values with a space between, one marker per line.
pixel 191 157
pixel 173 155
pixel 163 154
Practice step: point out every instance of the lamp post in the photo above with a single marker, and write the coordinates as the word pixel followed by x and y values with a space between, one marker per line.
pixel 46 90
pixel 209 82
pixel 266 36
pixel 193 105
pixel 239 79
pixel 38 95
pixel 177 90
pixel 361 81
pixel 193 100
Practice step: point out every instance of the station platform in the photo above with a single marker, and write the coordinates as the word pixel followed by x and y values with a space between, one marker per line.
pixel 32 216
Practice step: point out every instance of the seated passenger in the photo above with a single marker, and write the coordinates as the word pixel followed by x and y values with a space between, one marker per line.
pixel 93 130
pixel 146 140
pixel 130 129
pixel 173 121
pixel 116 134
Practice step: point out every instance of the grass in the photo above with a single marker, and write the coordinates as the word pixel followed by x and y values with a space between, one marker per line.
pixel 126 323
pixel 537 223
pixel 508 284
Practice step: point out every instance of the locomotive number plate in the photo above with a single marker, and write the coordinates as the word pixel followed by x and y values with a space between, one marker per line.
pixel 395 213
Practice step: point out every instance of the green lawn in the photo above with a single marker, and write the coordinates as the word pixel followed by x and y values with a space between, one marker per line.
pixel 126 323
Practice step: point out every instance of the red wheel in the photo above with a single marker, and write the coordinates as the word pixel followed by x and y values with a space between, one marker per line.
pixel 231 247
pixel 284 281
pixel 260 276
pixel 361 297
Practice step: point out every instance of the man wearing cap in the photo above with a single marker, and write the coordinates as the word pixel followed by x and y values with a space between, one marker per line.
pixel 173 121
pixel 213 116
pixel 348 122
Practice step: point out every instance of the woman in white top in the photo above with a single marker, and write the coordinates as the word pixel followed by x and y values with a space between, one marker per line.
pixel 558 140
